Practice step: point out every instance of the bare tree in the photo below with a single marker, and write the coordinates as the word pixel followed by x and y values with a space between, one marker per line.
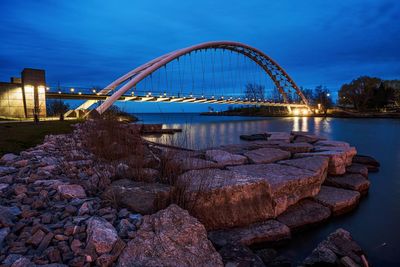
pixel 254 92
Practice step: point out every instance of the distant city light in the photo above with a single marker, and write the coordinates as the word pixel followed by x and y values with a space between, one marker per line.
pixel 72 90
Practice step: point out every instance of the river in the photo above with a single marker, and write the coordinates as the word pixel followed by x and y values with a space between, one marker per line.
pixel 375 224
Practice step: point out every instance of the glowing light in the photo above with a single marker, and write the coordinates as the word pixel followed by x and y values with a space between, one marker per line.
pixel 80 93
pixel 47 88
pixel 304 111
pixel 94 91
pixel 328 94
pixel 28 89
pixel 59 92
pixel 72 90
pixel 296 112
pixel 41 89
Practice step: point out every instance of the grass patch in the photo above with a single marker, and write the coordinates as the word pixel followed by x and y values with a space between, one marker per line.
pixel 18 136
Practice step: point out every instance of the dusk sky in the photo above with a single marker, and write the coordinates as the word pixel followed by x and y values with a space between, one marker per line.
pixel 91 43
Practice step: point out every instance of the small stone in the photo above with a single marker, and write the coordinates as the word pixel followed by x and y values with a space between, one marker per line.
pixel 3 186
pixel 76 246
pixel 3 234
pixel 61 237
pixel 8 157
pixel 101 234
pixel 69 191
pixel 36 238
pixel 45 242
pixel 20 189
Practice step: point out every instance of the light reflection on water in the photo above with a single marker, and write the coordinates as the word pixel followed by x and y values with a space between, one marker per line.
pixel 374 224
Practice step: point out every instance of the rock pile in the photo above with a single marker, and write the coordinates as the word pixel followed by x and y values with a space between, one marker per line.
pixel 60 204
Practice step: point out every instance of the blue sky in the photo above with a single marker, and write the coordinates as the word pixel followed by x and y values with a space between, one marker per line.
pixel 87 43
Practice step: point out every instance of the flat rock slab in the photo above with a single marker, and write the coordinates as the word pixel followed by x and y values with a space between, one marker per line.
pixel 338 200
pixel 266 155
pixel 337 160
pixel 358 169
pixel 254 137
pixel 170 237
pixel 144 198
pixel 332 143
pixel 187 164
pixel 303 214
pixel 355 182
pixel 317 164
pixel 223 158
pixel 306 137
pixel 280 136
pixel 264 232
pixel 350 152
pixel 221 198
pixel 300 147
pixel 371 163
pixel 288 184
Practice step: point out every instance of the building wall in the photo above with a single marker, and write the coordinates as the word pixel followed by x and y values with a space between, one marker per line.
pixel 11 101
pixel 18 98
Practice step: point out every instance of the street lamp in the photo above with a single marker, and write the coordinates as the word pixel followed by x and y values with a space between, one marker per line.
pixel 72 90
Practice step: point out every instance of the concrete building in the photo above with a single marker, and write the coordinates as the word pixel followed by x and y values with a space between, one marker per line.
pixel 24 97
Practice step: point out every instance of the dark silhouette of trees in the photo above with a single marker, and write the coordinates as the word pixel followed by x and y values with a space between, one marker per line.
pixel 57 108
pixel 361 92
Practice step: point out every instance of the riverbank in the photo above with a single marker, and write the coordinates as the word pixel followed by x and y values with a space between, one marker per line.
pixel 255 112
pixel 17 136
pixel 76 223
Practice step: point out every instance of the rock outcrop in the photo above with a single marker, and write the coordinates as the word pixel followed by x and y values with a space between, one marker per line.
pixel 339 249
pixel 221 198
pixel 170 237
pixel 288 184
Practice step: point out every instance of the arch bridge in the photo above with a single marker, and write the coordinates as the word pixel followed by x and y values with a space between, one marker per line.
pixel 283 83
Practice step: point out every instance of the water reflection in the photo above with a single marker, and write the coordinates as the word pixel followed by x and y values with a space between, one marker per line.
pixel 208 134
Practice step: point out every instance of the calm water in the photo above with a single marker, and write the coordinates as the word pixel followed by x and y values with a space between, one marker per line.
pixel 375 224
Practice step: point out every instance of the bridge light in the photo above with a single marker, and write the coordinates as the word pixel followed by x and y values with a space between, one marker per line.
pixel 47 88
pixel 328 94
pixel 59 92
pixel 165 94
pixel 79 93
pixel 94 91
pixel 191 95
pixel 212 97
pixel 72 90
pixel 304 111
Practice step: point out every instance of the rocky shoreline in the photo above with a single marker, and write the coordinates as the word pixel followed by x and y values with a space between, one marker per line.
pixel 64 205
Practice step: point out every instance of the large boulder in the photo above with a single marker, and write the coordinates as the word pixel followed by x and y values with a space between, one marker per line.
pixel 269 231
pixel 101 235
pixel 266 155
pixel 303 214
pixel 349 152
pixel 307 137
pixel 338 200
pixel 224 158
pixel 288 184
pixel 141 197
pixel 170 237
pixel 355 182
pixel 222 198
